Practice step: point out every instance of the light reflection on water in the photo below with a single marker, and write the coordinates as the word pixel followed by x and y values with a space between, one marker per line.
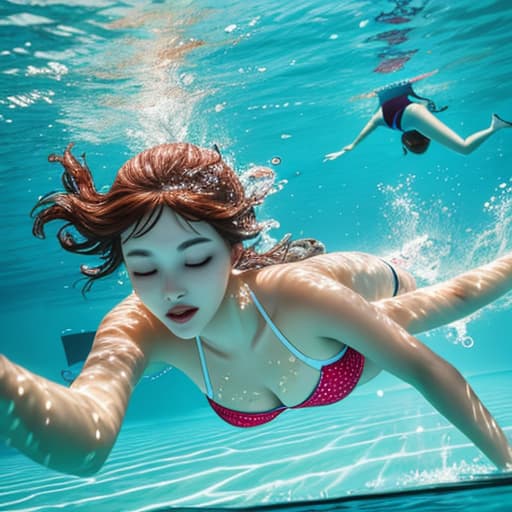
pixel 261 80
pixel 365 444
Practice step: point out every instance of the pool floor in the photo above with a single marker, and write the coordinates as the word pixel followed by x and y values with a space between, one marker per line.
pixel 367 444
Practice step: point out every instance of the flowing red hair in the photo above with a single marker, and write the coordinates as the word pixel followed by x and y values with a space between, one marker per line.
pixel 195 182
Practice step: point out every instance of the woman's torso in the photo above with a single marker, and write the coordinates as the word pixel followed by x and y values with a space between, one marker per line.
pixel 263 376
pixel 260 373
pixel 393 110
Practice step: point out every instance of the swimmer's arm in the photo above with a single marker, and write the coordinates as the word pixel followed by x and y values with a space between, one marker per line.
pixel 74 429
pixel 430 307
pixel 344 315
pixel 363 96
pixel 374 122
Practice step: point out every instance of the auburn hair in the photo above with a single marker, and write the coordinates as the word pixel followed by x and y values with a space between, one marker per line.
pixel 195 182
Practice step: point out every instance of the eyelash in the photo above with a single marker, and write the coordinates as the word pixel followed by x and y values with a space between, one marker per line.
pixel 189 265
pixel 200 264
pixel 144 274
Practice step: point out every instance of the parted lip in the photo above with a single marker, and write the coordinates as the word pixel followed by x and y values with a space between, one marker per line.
pixel 181 309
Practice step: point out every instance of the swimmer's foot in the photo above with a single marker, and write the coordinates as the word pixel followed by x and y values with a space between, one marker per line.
pixel 498 122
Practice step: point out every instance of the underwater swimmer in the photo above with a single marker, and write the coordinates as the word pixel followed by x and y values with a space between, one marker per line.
pixel 417 122
pixel 177 217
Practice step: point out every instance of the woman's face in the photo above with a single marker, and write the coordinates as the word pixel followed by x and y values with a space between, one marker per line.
pixel 180 271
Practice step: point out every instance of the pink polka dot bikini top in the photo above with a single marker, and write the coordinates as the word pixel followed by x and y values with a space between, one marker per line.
pixel 339 375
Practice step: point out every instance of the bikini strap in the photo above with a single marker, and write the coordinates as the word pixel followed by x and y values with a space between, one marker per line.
pixel 206 374
pixel 313 363
pixel 317 364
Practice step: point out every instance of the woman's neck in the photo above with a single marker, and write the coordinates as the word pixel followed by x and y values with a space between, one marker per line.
pixel 235 323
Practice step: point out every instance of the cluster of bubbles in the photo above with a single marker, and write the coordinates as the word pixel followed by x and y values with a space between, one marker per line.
pixel 421 232
pixel 423 236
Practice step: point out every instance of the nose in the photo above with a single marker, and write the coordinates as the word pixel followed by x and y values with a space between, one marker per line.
pixel 173 292
pixel 174 295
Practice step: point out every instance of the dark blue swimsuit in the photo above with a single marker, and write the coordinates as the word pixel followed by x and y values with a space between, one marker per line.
pixel 393 109
pixel 394 99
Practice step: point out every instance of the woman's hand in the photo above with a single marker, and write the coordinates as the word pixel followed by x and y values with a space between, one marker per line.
pixel 333 156
pixel 337 154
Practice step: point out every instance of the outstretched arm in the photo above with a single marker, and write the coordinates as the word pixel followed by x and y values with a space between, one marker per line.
pixel 343 315
pixel 440 304
pixel 74 429
pixel 371 125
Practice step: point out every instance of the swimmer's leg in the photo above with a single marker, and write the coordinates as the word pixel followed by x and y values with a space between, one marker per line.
pixel 498 122
pixel 440 304
pixel 418 117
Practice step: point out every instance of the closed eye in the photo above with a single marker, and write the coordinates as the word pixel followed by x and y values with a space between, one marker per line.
pixel 190 265
pixel 200 264
pixel 143 274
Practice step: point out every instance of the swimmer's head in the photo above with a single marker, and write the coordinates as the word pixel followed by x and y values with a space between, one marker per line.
pixel 415 142
pixel 194 182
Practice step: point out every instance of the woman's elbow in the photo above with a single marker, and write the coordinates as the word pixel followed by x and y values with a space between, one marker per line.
pixel 82 456
pixel 434 373
pixel 84 464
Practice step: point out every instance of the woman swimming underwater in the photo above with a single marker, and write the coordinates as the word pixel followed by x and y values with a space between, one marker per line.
pixel 177 216
pixel 417 122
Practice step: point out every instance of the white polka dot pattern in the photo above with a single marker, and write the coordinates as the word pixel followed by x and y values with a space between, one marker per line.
pixel 337 380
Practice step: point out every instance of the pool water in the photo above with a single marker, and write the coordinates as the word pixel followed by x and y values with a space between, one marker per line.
pixel 263 81
pixel 369 444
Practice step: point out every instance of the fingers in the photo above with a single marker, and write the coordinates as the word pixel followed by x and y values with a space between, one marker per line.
pixel 333 156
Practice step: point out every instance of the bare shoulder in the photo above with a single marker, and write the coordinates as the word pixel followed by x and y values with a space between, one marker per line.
pixel 293 295
pixel 324 285
pixel 298 286
pixel 131 328
pixel 341 266
pixel 130 318
pixel 314 308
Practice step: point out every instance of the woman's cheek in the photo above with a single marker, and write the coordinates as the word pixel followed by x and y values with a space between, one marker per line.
pixel 139 287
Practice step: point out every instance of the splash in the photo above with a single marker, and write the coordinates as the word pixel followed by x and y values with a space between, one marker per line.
pixel 460 472
pixel 495 240
pixel 423 231
pixel 139 88
pixel 266 240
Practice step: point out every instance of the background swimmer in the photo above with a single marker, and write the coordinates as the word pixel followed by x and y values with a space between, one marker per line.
pixel 417 122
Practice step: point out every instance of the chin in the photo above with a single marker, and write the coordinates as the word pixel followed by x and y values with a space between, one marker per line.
pixel 184 338
pixel 181 332
pixel 185 331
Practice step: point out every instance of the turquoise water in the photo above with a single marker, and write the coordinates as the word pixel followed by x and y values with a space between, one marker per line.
pixel 262 81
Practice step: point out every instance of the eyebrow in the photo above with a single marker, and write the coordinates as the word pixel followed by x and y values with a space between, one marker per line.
pixel 184 245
